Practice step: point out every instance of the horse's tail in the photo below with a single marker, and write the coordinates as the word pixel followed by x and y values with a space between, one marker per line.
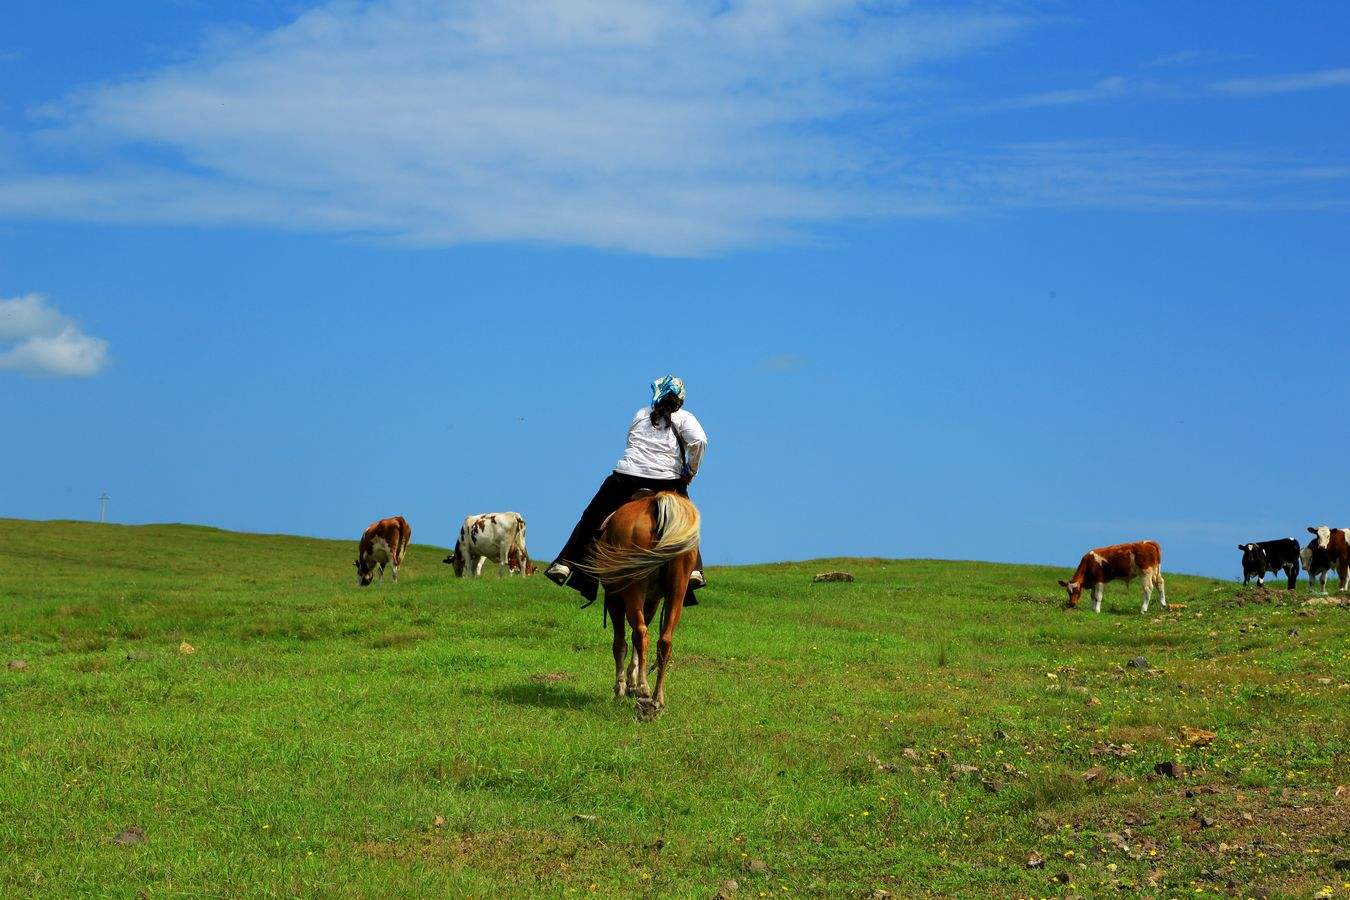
pixel 677 530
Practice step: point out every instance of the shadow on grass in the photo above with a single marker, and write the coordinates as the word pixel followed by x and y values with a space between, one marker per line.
pixel 550 696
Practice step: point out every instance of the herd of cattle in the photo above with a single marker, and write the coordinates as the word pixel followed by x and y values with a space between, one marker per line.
pixel 1328 550
pixel 501 537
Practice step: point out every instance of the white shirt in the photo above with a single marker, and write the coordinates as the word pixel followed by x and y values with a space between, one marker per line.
pixel 653 451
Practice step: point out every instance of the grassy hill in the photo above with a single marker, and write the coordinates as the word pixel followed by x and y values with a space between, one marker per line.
pixel 923 730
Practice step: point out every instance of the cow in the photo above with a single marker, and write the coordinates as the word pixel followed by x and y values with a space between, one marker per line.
pixel 516 563
pixel 1260 557
pixel 1329 549
pixel 1118 561
pixel 383 543
pixel 498 536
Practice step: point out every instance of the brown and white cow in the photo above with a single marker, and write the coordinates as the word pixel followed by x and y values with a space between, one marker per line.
pixel 1329 549
pixel 498 536
pixel 1119 561
pixel 382 544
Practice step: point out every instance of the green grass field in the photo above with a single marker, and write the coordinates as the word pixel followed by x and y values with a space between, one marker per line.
pixel 921 731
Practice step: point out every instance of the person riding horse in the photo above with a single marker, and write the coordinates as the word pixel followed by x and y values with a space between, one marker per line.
pixel 665 448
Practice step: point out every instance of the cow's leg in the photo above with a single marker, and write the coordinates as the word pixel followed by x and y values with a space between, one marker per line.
pixel 1246 579
pixel 633 598
pixel 502 563
pixel 1162 588
pixel 676 585
pixel 1261 580
pixel 478 565
pixel 1291 572
pixel 1097 591
pixel 381 573
pixel 1343 570
pixel 616 614
pixel 1147 582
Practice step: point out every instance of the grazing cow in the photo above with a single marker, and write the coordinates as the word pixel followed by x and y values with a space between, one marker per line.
pixel 498 536
pixel 1261 557
pixel 1329 549
pixel 1118 561
pixel 383 543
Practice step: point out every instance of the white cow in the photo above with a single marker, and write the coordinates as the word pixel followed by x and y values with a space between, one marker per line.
pixel 499 536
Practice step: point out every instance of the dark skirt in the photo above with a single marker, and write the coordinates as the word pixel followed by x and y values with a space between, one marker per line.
pixel 615 491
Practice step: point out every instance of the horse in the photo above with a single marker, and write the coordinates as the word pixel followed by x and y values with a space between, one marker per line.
pixel 645 552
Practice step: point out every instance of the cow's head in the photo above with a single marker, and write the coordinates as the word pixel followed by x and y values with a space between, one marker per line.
pixel 1305 557
pixel 518 563
pixel 1321 534
pixel 1253 558
pixel 1075 589
pixel 456 559
pixel 365 572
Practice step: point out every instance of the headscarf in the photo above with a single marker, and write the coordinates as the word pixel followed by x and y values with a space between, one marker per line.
pixel 667 386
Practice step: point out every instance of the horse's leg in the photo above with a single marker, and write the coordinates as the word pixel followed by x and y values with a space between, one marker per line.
pixel 650 605
pixel 620 647
pixel 633 597
pixel 632 665
pixel 676 586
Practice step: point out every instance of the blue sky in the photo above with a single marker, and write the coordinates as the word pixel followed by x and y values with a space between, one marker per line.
pixel 1000 280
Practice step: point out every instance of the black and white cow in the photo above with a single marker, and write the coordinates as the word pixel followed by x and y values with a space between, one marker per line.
pixel 1261 557
pixel 1329 549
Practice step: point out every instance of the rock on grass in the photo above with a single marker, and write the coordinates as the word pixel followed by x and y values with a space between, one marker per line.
pixel 832 576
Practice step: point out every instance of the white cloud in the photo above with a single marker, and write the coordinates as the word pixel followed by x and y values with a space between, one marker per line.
pixel 1113 175
pixel 45 342
pixel 1191 58
pixel 1283 84
pixel 656 126
pixel 651 126
pixel 1106 89
pixel 670 127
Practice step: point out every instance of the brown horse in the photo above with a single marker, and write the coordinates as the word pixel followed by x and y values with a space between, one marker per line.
pixel 645 552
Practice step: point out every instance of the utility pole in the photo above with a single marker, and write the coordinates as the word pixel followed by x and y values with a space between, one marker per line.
pixel 103 499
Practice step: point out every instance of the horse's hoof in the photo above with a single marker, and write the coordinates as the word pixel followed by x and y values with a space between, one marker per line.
pixel 647 709
pixel 642 692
